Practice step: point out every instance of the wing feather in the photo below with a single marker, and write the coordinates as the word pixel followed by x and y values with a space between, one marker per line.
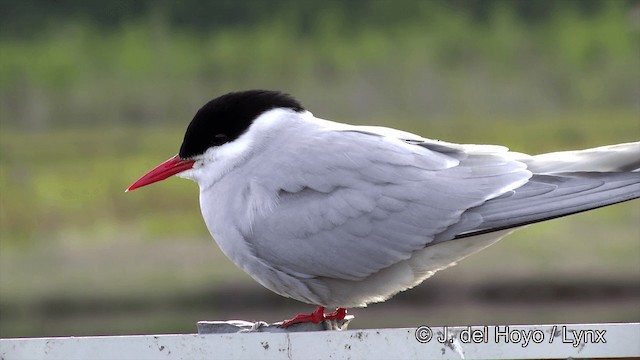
pixel 371 199
pixel 550 196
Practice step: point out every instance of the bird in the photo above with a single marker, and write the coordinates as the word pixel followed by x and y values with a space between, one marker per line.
pixel 341 216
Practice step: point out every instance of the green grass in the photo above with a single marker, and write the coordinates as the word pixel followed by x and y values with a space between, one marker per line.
pixel 441 63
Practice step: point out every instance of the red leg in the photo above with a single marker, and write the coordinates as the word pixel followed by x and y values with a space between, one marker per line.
pixel 316 316
pixel 339 314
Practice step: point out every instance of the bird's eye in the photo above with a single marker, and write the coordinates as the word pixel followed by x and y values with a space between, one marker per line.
pixel 219 139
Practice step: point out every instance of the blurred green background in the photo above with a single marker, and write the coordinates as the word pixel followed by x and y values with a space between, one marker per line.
pixel 95 93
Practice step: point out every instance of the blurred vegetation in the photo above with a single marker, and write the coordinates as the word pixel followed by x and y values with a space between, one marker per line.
pixel 94 94
pixel 355 60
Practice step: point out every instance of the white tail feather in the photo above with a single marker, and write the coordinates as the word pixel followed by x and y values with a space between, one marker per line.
pixel 620 157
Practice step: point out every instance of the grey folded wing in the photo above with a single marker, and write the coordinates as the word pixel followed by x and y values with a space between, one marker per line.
pixel 349 204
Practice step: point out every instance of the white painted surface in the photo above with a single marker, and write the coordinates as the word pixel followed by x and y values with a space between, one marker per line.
pixel 606 340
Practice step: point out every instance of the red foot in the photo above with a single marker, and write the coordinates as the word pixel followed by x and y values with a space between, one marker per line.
pixel 339 314
pixel 316 316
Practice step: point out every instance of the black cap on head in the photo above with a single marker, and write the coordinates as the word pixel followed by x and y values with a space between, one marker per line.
pixel 225 118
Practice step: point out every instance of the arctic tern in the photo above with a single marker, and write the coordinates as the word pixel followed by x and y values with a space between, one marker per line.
pixel 341 216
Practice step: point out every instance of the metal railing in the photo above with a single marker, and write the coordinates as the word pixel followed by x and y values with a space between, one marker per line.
pixel 609 340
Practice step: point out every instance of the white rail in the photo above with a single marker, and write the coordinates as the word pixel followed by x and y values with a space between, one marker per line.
pixel 496 342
